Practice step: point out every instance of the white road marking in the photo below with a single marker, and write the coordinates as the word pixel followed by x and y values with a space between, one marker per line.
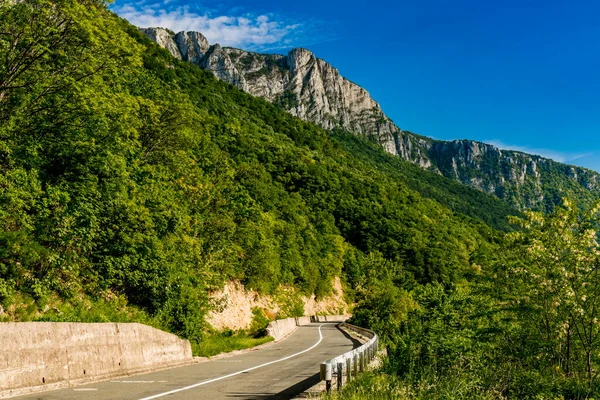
pixel 156 396
pixel 131 381
pixel 84 390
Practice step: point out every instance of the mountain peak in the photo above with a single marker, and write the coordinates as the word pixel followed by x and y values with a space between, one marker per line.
pixel 303 84
pixel 163 38
pixel 312 89
pixel 192 45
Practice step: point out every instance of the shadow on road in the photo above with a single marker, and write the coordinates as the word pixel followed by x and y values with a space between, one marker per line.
pixel 297 388
pixel 284 395
pixel 355 342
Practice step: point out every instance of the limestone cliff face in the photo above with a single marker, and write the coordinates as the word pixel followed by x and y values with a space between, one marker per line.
pixel 164 39
pixel 303 84
pixel 313 90
pixel 524 180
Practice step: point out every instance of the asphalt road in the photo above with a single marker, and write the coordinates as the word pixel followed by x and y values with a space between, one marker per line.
pixel 279 371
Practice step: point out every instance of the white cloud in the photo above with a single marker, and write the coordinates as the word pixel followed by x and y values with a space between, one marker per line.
pixel 563 157
pixel 252 32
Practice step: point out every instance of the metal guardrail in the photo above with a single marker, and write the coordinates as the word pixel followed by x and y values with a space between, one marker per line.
pixel 352 362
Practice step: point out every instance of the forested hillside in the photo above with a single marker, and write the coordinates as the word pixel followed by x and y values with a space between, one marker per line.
pixel 134 184
pixel 312 89
pixel 131 177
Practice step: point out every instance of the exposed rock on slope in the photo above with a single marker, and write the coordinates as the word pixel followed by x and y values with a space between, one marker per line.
pixel 313 90
pixel 304 85
pixel 235 305
pixel 524 180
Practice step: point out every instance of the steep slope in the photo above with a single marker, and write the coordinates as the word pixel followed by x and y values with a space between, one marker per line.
pixel 524 180
pixel 305 86
pixel 133 185
pixel 313 90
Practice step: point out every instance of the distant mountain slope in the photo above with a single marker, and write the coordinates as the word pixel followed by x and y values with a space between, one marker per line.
pixel 313 90
pixel 524 180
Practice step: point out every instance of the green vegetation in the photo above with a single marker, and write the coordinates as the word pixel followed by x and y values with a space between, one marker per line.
pixel 225 342
pixel 525 326
pixel 130 176
pixel 374 386
pixel 133 184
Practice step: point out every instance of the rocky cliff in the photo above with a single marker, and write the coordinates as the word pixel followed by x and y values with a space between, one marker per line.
pixel 524 180
pixel 304 85
pixel 313 90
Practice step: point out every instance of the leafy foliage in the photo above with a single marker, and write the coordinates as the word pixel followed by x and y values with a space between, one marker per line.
pixel 525 326
pixel 132 184
pixel 140 182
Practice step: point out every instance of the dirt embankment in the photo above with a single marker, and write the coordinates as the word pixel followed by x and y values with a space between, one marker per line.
pixel 234 305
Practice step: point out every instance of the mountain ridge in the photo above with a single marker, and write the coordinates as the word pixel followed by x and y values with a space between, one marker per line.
pixel 311 89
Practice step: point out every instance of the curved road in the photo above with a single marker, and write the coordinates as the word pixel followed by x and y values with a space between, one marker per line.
pixel 279 371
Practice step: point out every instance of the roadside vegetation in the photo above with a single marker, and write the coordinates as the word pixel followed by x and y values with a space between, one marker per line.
pixel 525 325
pixel 225 342
pixel 133 184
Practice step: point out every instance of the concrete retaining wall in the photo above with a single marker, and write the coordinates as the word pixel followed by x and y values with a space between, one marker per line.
pixel 303 321
pixel 42 355
pixel 281 328
pixel 331 318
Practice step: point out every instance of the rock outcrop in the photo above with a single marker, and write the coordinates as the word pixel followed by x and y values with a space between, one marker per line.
pixel 315 91
pixel 524 180
pixel 234 306
pixel 303 84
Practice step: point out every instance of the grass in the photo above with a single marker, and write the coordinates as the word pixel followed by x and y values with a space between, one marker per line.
pixel 373 386
pixel 226 342
pixel 379 385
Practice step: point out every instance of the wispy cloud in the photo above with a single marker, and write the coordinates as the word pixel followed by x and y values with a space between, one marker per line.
pixel 563 157
pixel 259 32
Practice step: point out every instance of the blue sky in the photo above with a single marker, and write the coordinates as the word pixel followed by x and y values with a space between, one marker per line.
pixel 522 75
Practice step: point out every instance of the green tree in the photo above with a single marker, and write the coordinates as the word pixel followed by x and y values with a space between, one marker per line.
pixel 555 284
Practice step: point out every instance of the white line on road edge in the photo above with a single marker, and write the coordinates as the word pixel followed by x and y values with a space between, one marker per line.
pixel 156 396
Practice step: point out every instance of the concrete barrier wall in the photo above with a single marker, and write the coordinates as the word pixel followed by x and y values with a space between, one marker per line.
pixel 331 318
pixel 281 328
pixel 302 321
pixel 43 355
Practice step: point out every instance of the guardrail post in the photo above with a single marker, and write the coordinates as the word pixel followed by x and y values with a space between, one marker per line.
pixel 362 361
pixel 356 360
pixel 348 369
pixel 326 375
